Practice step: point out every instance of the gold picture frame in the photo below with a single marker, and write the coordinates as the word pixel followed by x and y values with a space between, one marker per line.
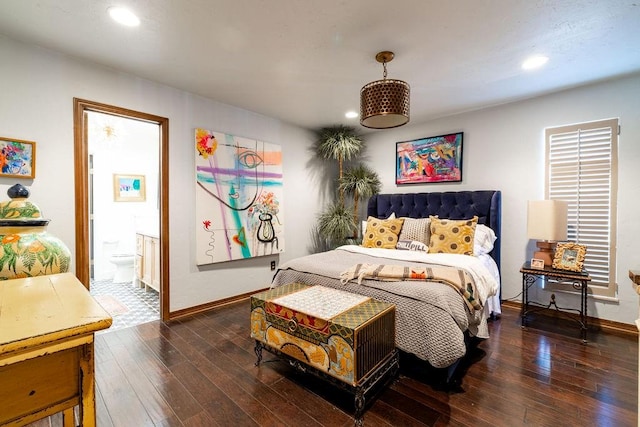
pixel 569 256
pixel 17 158
pixel 128 188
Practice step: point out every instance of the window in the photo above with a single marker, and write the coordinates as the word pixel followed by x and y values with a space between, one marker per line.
pixel 581 168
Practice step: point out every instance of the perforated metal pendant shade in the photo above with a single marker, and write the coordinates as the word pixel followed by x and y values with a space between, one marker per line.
pixel 384 103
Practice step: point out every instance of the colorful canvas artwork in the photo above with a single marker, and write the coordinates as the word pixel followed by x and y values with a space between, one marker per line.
pixel 17 158
pixel 433 159
pixel 239 198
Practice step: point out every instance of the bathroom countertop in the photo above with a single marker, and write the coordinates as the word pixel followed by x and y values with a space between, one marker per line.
pixel 148 232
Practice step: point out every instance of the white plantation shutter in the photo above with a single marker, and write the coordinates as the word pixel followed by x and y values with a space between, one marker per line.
pixel 582 169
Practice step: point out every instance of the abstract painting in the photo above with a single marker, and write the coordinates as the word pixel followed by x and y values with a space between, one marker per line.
pixel 433 159
pixel 239 197
pixel 17 158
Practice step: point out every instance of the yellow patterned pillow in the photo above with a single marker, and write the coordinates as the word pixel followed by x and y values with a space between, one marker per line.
pixel 382 233
pixel 452 236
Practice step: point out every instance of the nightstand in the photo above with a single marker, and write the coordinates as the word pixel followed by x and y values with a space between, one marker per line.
pixel 573 280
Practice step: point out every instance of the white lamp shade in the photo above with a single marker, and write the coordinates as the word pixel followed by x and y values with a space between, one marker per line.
pixel 547 220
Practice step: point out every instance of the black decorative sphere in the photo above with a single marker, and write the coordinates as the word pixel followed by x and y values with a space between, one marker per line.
pixel 18 191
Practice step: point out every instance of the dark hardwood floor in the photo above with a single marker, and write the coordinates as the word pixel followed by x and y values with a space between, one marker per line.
pixel 200 372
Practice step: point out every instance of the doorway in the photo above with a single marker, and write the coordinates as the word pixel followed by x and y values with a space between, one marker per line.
pixel 133 197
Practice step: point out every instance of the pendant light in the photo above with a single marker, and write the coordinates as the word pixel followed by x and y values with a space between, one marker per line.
pixel 384 103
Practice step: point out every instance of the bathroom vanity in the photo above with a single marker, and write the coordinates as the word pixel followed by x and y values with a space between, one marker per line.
pixel 147 261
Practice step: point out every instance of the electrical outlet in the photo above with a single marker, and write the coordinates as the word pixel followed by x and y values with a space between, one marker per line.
pixel 273 265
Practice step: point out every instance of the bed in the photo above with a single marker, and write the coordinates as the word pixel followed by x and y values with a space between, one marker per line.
pixel 434 320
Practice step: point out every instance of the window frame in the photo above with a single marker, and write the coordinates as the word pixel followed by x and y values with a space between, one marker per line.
pixel 588 136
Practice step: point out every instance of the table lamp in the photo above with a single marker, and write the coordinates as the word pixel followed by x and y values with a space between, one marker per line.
pixel 547 223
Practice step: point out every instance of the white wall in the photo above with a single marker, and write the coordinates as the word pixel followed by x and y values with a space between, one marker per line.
pixel 38 87
pixel 503 149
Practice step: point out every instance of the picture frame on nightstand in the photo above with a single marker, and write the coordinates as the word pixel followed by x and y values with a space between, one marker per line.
pixel 537 263
pixel 569 256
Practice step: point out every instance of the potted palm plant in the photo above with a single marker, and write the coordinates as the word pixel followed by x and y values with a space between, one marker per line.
pixel 337 225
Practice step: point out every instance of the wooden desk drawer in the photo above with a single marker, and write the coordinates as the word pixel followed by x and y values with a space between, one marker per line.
pixel 40 383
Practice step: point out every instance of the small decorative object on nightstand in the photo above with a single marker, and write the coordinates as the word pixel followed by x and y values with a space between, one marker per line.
pixel 537 263
pixel 576 280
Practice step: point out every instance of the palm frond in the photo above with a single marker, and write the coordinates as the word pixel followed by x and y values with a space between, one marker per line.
pixel 360 181
pixel 336 223
pixel 338 143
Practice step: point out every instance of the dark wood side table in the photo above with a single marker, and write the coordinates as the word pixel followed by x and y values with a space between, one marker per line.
pixel 575 280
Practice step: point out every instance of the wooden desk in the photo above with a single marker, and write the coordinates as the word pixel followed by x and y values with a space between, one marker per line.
pixel 47 325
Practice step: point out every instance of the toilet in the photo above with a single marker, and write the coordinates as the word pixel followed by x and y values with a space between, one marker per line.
pixel 124 267
pixel 122 258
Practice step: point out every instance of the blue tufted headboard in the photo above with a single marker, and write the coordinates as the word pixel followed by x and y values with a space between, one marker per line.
pixel 450 204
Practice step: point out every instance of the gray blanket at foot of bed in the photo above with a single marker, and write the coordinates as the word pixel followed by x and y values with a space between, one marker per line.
pixel 430 317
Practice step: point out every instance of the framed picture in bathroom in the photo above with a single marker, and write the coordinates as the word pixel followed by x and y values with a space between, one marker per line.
pixel 128 188
pixel 17 158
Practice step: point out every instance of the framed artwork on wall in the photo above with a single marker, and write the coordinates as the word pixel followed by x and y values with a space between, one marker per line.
pixel 17 158
pixel 128 188
pixel 239 197
pixel 427 160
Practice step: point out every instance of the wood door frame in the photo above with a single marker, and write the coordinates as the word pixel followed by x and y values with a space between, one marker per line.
pixel 81 165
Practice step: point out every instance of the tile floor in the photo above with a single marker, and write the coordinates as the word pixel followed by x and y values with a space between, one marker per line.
pixel 135 306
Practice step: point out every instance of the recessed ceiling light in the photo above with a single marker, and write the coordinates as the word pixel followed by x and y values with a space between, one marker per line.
pixel 351 115
pixel 534 62
pixel 124 16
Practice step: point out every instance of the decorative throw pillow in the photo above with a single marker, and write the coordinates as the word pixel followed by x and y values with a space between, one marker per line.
pixel 364 223
pixel 382 233
pixel 452 236
pixel 415 229
pixel 412 245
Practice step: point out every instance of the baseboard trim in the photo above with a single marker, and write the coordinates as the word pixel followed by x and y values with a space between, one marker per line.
pixel 605 325
pixel 186 312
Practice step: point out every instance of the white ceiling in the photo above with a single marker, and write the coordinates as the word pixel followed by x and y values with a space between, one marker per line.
pixel 304 61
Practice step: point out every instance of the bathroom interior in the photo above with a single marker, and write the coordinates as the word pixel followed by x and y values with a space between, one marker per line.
pixel 124 215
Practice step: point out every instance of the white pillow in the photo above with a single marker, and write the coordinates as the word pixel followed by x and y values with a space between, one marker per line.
pixel 364 223
pixel 483 240
pixel 412 245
